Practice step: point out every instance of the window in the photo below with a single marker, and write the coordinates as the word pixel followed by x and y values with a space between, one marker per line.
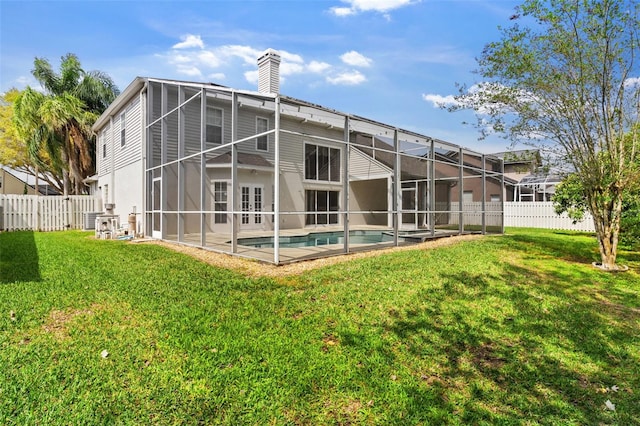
pixel 123 128
pixel 220 202
pixel 495 198
pixel 262 142
pixel 320 204
pixel 214 125
pixel 103 136
pixel 321 163
pixel 467 197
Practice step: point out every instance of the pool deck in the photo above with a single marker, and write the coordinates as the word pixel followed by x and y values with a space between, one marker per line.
pixel 222 243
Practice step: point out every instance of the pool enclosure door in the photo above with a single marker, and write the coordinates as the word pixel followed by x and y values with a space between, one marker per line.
pixel 156 194
pixel 251 205
pixel 409 207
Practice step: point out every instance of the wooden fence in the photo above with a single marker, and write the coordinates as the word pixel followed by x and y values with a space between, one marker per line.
pixel 45 213
pixel 540 214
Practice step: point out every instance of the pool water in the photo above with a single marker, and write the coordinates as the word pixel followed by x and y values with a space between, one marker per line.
pixel 320 239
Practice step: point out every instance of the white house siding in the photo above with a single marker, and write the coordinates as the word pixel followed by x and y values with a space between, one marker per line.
pixel 104 162
pixel 120 173
pixel 127 192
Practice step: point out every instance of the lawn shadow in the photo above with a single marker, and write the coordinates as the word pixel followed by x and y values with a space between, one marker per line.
pixel 18 257
pixel 529 351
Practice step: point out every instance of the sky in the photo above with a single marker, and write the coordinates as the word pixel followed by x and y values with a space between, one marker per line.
pixel 386 60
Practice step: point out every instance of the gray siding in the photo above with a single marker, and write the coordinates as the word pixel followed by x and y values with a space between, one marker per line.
pixel 363 167
pixel 292 149
pixel 132 151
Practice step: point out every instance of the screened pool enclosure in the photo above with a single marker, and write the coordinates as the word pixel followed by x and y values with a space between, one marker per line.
pixel 277 179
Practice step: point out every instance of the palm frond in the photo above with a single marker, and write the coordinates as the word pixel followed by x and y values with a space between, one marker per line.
pixel 45 75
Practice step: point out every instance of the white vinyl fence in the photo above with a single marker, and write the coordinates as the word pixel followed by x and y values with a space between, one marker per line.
pixel 45 213
pixel 540 214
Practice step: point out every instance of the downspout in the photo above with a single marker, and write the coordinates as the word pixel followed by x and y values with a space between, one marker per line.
pixel 112 172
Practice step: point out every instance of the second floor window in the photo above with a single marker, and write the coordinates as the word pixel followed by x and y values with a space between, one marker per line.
pixel 321 163
pixel 214 125
pixel 262 142
pixel 123 129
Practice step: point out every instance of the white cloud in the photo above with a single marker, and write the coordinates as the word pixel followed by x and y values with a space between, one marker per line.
pixel 631 82
pixel 380 6
pixel 355 59
pixel 350 78
pixel 318 67
pixel 439 101
pixel 287 68
pixel 191 71
pixel 189 41
pixel 290 57
pixel 342 11
pixel 209 58
pixel 248 54
pixel 219 62
pixel 251 76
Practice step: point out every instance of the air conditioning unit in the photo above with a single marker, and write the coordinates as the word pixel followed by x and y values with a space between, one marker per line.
pixel 90 220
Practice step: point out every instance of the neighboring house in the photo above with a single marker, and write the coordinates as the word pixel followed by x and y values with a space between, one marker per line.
pixel 263 175
pixel 525 179
pixel 12 183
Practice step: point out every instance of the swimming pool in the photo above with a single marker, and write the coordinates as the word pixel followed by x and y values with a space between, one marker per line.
pixel 320 239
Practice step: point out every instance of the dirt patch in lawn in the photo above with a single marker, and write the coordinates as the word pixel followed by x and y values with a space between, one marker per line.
pixel 57 323
pixel 255 268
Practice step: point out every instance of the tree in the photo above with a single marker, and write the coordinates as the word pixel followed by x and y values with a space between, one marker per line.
pixel 564 78
pixel 13 148
pixel 569 197
pixel 59 121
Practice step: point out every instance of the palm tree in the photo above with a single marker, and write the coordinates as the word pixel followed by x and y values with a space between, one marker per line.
pixel 59 121
pixel 42 145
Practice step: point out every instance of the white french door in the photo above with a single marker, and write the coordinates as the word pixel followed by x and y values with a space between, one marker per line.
pixel 251 206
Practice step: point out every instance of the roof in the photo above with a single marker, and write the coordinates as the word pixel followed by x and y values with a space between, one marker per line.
pixel 323 115
pixel 43 189
pixel 244 159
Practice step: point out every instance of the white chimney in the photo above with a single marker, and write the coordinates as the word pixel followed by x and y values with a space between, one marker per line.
pixel 269 72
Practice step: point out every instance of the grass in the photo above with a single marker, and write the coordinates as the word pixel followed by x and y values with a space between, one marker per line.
pixel 513 329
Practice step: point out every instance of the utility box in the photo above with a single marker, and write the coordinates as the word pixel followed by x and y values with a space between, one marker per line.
pixel 90 220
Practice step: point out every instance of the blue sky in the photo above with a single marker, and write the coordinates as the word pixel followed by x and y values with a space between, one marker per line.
pixel 388 60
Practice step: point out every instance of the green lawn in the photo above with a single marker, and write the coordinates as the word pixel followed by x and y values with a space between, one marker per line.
pixel 513 329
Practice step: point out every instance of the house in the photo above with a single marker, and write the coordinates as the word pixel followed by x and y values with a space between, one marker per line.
pixel 271 177
pixel 525 178
pixel 11 183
